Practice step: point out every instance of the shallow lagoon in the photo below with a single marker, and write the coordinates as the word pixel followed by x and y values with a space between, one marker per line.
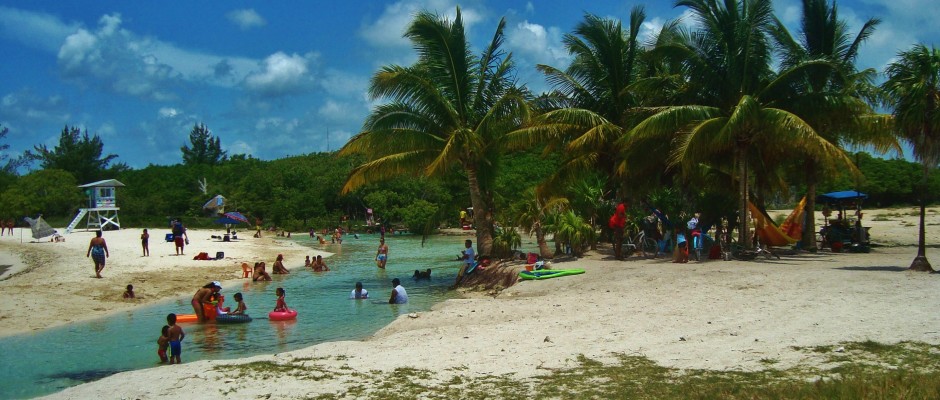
pixel 48 361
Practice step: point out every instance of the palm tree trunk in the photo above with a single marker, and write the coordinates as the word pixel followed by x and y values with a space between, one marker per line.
pixel 544 251
pixel 742 205
pixel 920 262
pixel 482 213
pixel 809 230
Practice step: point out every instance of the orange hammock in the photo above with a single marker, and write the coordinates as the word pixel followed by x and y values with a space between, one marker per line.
pixel 772 235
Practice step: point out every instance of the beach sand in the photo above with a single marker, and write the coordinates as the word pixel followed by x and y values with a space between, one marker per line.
pixel 721 315
pixel 55 280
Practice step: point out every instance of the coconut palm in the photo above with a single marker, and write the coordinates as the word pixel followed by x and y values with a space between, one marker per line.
pixel 572 230
pixel 449 111
pixel 587 111
pixel 831 100
pixel 530 215
pixel 727 62
pixel 913 92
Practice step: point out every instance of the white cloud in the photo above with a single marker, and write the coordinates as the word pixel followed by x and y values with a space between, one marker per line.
pixel 281 74
pixel 246 18
pixel 541 45
pixel 34 29
pixel 387 30
pixel 168 112
pixel 342 83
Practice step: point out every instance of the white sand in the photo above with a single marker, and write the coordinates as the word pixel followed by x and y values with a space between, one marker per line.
pixel 715 315
pixel 57 280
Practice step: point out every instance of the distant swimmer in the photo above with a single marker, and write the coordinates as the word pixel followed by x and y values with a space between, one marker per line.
pixel 422 274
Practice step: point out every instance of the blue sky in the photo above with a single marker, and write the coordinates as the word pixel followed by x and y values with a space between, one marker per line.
pixel 280 78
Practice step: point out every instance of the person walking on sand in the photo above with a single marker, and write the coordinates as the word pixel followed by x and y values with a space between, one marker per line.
pixel 176 335
pixel 399 295
pixel 98 251
pixel 180 239
pixel 381 255
pixel 145 243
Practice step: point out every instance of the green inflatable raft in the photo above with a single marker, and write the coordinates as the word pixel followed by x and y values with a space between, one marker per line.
pixel 549 273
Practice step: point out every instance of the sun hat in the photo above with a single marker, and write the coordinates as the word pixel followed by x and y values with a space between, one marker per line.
pixel 217 284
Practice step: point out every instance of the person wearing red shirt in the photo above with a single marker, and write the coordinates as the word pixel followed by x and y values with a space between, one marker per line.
pixel 617 223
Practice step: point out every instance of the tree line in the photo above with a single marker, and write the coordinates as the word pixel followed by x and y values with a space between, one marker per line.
pixel 734 109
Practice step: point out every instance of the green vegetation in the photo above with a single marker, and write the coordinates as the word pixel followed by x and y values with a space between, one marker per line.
pixel 738 109
pixel 857 370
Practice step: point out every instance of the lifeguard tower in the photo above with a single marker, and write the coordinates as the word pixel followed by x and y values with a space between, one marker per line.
pixel 102 208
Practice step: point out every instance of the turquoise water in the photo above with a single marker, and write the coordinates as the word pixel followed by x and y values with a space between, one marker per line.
pixel 45 362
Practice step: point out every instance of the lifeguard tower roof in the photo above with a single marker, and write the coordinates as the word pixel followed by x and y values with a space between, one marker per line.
pixel 104 183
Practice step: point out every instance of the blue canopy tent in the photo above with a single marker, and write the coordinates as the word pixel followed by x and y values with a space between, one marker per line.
pixel 841 229
pixel 843 196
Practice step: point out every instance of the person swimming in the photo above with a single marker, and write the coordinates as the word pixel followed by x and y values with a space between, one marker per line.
pixel 422 274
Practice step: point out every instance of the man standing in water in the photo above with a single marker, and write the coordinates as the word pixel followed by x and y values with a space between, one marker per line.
pixel 381 255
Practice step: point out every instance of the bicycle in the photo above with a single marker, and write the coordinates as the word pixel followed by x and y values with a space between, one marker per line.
pixel 640 242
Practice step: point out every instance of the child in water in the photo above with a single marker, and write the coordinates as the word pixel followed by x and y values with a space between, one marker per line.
pixel 281 305
pixel 175 335
pixel 129 293
pixel 241 308
pixel 163 343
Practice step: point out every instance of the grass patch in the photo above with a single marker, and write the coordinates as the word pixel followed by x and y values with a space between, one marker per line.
pixel 854 370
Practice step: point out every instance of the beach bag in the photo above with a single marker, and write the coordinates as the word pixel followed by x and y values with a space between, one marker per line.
pixel 714 253
pixel 219 255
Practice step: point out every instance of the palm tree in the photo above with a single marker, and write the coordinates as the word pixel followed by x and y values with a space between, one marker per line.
pixel 588 110
pixel 829 99
pixel 449 110
pixel 913 92
pixel 727 63
pixel 572 230
pixel 531 214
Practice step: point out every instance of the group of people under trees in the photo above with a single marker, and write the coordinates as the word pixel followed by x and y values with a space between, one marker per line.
pixel 689 238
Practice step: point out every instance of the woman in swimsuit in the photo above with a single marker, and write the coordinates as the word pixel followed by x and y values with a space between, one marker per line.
pixel 204 295
pixel 98 251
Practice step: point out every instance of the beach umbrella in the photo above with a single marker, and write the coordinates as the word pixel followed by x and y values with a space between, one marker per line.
pixel 235 216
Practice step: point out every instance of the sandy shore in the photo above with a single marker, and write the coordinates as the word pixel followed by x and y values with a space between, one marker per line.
pixel 56 279
pixel 714 315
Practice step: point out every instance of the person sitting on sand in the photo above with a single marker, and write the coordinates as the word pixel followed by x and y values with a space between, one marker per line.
pixel 319 265
pixel 422 274
pixel 359 293
pixel 399 295
pixel 279 265
pixel 129 293
pixel 241 308
pixel 259 274
pixel 281 305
